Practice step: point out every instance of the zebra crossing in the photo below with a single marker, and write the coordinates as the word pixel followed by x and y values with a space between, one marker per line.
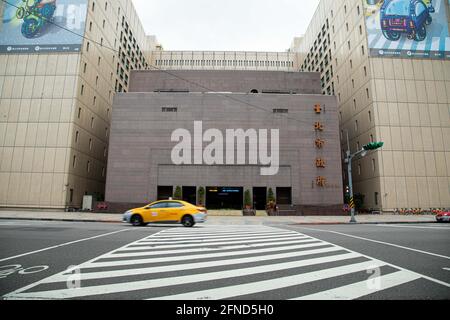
pixel 223 262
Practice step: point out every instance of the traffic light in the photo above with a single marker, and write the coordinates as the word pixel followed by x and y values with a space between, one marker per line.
pixel 373 146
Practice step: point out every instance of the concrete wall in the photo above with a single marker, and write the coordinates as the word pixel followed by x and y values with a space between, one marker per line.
pixel 55 111
pixel 140 145
pixel 225 60
pixel 225 81
pixel 402 102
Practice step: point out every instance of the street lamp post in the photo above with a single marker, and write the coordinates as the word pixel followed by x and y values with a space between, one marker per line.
pixel 348 160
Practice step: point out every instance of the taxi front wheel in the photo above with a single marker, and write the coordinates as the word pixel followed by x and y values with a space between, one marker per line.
pixel 188 221
pixel 137 221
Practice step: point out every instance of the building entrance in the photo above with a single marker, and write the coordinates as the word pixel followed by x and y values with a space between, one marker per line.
pixel 224 198
pixel 165 192
pixel 259 198
pixel 284 196
pixel 190 195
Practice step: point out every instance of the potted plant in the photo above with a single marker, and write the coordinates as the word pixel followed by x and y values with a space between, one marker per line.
pixel 271 207
pixel 178 194
pixel 248 208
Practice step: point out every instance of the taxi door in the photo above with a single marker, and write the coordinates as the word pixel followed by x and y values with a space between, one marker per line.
pixel 175 211
pixel 157 212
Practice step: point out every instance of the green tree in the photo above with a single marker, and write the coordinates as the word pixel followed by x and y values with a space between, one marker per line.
pixel 248 198
pixel 270 195
pixel 178 195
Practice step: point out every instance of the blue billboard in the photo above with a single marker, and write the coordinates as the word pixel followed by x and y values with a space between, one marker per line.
pixel 408 28
pixel 42 26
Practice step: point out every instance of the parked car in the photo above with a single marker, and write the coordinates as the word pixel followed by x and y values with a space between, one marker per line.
pixel 168 211
pixel 408 17
pixel 443 216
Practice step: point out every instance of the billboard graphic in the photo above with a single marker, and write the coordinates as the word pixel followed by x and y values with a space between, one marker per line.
pixel 408 28
pixel 42 26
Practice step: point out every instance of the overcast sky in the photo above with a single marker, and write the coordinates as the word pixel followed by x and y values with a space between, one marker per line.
pixel 243 25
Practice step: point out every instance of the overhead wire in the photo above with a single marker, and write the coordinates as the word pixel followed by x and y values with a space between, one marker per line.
pixel 163 70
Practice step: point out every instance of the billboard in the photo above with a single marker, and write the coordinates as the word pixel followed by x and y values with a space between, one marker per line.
pixel 408 28
pixel 42 26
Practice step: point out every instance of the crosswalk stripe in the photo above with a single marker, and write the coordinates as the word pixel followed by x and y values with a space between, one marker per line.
pixel 192 266
pixel 219 228
pixel 240 253
pixel 213 255
pixel 187 257
pixel 279 246
pixel 363 288
pixel 268 285
pixel 209 236
pixel 234 236
pixel 194 278
pixel 230 236
pixel 214 239
pixel 267 240
pixel 215 232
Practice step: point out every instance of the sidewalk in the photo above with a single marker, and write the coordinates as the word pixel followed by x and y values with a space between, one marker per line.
pixel 218 220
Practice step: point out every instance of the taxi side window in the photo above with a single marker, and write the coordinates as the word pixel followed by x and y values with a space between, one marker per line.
pixel 175 205
pixel 159 205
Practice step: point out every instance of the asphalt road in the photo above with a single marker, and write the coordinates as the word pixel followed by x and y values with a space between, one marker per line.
pixel 276 262
pixel 19 241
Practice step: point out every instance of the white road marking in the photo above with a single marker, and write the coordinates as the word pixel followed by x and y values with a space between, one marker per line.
pixel 154 252
pixel 381 242
pixel 268 285
pixel 414 227
pixel 361 289
pixel 214 239
pixel 194 278
pixel 447 269
pixel 73 268
pixel 192 266
pixel 268 251
pixel 156 246
pixel 214 236
pixel 62 245
pixel 395 266
pixel 186 257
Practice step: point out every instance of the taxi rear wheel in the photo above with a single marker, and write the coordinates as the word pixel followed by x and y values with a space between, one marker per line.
pixel 188 221
pixel 137 221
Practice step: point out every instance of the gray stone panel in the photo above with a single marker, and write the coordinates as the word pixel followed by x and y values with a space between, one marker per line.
pixel 225 81
pixel 140 147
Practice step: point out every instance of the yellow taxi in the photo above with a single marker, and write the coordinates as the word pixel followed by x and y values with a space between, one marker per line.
pixel 167 211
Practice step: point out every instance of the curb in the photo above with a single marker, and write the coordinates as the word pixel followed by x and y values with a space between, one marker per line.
pixel 288 223
pixel 59 220
pixel 362 223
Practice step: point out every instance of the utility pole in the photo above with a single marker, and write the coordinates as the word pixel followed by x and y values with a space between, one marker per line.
pixel 348 160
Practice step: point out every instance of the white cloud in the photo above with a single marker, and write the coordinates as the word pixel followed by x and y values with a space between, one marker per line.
pixel 247 25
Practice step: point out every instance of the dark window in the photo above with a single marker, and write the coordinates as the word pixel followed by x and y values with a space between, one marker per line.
pixel 159 205
pixel 165 109
pixel 280 110
pixel 174 205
